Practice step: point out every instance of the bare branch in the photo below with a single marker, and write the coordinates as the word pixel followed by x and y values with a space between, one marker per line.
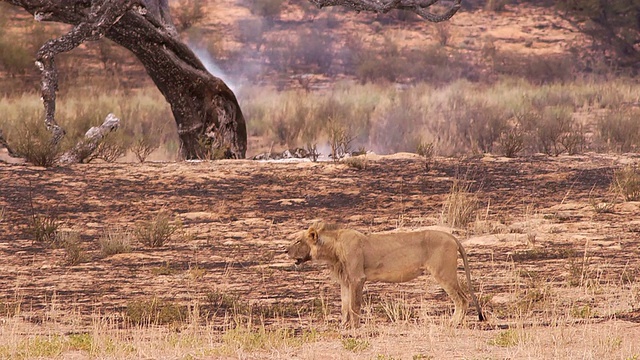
pixel 102 15
pixel 92 139
pixel 380 6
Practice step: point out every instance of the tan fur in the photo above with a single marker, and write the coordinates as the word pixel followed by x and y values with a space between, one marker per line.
pixel 387 257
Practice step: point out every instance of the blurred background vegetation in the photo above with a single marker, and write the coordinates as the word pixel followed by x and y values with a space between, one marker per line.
pixel 505 77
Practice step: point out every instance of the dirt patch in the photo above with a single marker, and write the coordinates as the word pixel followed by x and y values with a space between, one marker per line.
pixel 237 217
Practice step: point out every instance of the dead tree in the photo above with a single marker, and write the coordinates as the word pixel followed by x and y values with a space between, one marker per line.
pixel 210 122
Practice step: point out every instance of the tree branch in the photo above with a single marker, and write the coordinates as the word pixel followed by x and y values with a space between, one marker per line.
pixel 102 15
pixel 380 6
pixel 92 139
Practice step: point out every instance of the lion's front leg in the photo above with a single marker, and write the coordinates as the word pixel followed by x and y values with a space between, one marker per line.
pixel 345 296
pixel 355 305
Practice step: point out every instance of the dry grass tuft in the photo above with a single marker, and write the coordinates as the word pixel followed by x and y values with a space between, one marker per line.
pixel 460 206
pixel 156 232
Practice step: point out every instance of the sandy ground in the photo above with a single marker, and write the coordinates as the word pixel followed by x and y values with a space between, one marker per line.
pixel 544 261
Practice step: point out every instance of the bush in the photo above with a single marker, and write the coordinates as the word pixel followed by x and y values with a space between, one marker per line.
pixel 35 143
pixel 626 182
pixel 488 122
pixel 340 139
pixel 188 13
pixel 157 232
pixel 112 147
pixel 536 69
pixel 427 151
pixel 620 129
pixel 358 162
pixel 314 49
pixel 252 31
pixel 555 123
pixel 156 312
pixel 73 252
pixel 496 5
pixel 43 229
pixel 14 59
pixel 511 141
pixel 144 144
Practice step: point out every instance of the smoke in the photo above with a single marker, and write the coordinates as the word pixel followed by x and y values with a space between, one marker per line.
pixel 213 68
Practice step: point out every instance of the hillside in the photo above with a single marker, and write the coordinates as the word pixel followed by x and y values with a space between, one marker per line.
pixel 301 40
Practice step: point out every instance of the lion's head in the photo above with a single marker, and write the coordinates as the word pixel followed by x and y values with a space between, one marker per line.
pixel 299 250
pixel 308 245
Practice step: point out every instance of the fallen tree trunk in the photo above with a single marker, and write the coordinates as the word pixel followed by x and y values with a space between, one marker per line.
pixel 85 148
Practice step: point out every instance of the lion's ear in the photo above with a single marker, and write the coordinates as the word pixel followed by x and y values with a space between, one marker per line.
pixel 312 234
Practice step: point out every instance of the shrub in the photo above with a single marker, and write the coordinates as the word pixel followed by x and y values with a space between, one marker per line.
pixel 487 123
pixel 355 345
pixel 43 229
pixel 73 252
pixel 269 9
pixel 620 129
pixel 427 151
pixel 536 69
pixel 340 139
pixel 314 50
pixel 144 144
pixel 112 147
pixel 511 141
pixel 397 124
pixel 358 162
pixel 280 53
pixel 115 241
pixel 443 32
pixel 188 13
pixel 14 58
pixel 36 144
pixel 555 122
pixel 626 181
pixel 496 5
pixel 252 31
pixel 157 232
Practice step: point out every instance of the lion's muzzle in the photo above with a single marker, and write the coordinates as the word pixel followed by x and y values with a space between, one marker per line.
pixel 299 251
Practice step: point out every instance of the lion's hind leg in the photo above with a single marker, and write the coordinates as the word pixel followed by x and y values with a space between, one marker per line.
pixel 449 283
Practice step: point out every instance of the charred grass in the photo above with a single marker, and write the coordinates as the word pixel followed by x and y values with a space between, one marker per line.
pixel 222 285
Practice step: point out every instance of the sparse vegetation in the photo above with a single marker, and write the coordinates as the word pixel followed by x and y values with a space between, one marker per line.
pixel 115 241
pixel 43 229
pixel 144 145
pixel 626 182
pixel 459 208
pixel 427 151
pixel 110 149
pixel 222 294
pixel 354 344
pixel 507 338
pixel 357 162
pixel 156 232
pixel 187 13
pixel 156 312
pixel 35 143
pixel 74 254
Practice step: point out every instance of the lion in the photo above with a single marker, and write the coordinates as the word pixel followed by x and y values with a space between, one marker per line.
pixel 354 258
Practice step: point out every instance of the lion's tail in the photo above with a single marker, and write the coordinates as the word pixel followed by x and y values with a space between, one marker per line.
pixel 463 253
